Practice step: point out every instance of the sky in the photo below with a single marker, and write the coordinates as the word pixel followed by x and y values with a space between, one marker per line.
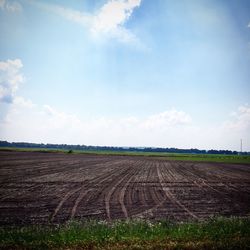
pixel 143 73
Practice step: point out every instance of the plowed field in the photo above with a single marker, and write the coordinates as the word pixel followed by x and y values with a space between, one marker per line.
pixel 42 188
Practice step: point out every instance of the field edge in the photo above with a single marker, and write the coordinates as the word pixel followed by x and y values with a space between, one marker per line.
pixel 209 158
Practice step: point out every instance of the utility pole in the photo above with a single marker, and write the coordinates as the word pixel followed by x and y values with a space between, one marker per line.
pixel 241 146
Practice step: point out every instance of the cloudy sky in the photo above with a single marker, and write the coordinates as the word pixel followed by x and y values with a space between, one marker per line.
pixel 126 72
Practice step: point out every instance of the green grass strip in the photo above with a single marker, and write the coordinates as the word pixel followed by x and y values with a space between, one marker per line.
pixel 219 233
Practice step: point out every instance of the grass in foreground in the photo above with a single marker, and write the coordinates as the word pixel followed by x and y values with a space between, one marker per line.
pixel 220 233
pixel 241 159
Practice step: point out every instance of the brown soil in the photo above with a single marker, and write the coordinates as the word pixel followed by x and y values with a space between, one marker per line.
pixel 42 188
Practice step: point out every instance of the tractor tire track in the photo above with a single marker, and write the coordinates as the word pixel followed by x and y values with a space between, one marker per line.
pixel 83 191
pixel 171 197
pixel 122 194
pixel 157 198
pixel 201 182
pixel 109 194
pixel 66 196
pixel 78 200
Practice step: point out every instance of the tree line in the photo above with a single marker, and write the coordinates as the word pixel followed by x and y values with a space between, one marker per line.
pixel 123 149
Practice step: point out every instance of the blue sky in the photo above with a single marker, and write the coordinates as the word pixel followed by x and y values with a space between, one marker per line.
pixel 126 73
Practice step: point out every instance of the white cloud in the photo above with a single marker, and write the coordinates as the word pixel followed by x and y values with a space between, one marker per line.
pixel 112 16
pixel 57 119
pixel 240 120
pixel 167 119
pixel 11 6
pixel 248 25
pixel 109 21
pixel 20 101
pixel 10 79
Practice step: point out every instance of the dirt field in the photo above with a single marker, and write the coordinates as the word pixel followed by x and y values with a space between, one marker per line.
pixel 40 188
